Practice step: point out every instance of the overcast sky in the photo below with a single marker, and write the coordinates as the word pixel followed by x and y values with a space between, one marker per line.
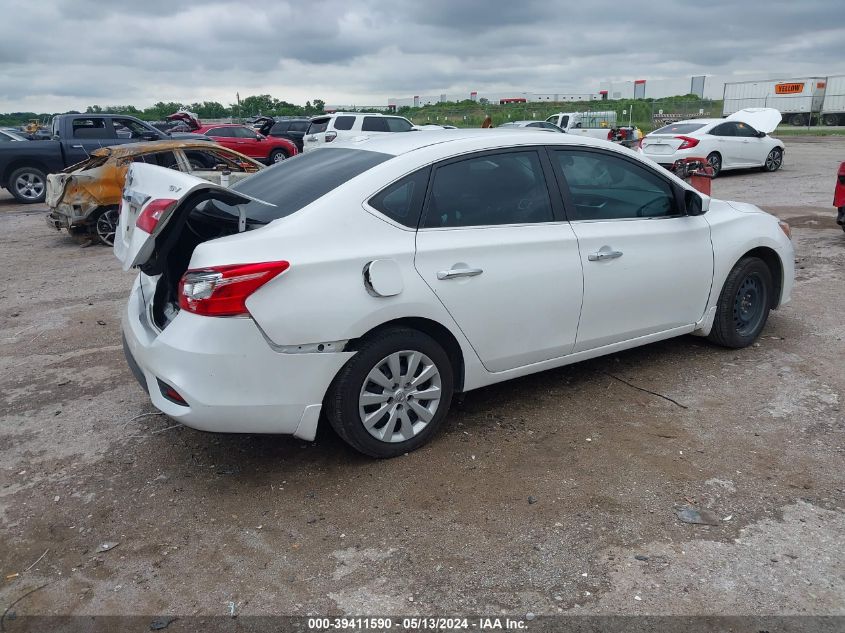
pixel 66 54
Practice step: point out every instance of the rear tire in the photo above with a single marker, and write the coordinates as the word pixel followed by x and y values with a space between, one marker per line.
pixel 830 119
pixel 28 185
pixel 798 120
pixel 715 160
pixel 377 402
pixel 744 304
pixel 105 224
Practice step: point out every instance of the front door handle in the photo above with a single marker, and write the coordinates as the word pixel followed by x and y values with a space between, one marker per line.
pixel 76 146
pixel 602 255
pixel 458 272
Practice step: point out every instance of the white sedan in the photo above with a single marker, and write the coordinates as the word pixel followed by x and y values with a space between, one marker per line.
pixel 739 142
pixel 370 282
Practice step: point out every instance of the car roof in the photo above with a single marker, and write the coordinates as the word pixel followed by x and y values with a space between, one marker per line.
pixel 404 142
pixel 151 147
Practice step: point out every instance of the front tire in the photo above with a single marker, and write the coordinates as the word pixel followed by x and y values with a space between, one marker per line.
pixel 392 396
pixel 715 160
pixel 28 185
pixel 744 304
pixel 277 156
pixel 774 160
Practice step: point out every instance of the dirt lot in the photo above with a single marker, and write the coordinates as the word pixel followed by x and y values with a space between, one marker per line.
pixel 549 494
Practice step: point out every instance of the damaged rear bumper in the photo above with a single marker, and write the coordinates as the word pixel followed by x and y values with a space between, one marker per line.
pixel 231 380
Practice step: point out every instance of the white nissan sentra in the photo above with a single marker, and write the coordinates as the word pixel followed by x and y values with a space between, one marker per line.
pixel 372 281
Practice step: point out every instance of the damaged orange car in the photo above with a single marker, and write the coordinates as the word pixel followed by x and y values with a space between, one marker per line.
pixel 85 198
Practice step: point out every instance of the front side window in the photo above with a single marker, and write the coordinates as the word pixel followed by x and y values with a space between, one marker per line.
pixel 506 188
pixel 374 124
pixel 402 201
pixel 244 132
pixel 608 187
pixel 161 159
pixel 217 160
pixel 220 132
pixel 134 128
pixel 396 124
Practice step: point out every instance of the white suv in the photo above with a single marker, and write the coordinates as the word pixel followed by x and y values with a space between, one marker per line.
pixel 348 125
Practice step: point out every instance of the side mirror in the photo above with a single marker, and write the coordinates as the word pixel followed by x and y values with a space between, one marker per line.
pixel 150 136
pixel 258 137
pixel 761 135
pixel 694 203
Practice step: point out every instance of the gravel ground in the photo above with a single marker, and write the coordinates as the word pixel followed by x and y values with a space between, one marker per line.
pixel 554 493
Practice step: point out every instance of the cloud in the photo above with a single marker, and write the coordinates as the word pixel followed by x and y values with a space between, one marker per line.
pixel 86 51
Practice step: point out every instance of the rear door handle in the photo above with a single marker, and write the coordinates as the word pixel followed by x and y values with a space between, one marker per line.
pixel 458 272
pixel 76 146
pixel 602 255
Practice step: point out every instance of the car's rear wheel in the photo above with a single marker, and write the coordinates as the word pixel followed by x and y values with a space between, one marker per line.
pixel 392 396
pixel 28 185
pixel 105 224
pixel 744 304
pixel 798 119
pixel 277 156
pixel 830 119
pixel 774 160
pixel 715 160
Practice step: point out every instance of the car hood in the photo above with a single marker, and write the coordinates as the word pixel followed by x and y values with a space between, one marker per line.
pixel 745 207
pixel 761 119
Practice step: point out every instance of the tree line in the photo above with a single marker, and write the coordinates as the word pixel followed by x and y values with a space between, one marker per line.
pixel 248 106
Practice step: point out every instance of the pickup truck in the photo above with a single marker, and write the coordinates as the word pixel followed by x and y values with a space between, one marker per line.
pixel 24 166
pixel 596 125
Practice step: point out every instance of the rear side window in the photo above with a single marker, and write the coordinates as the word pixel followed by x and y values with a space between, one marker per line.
pixel 506 188
pixel 294 184
pixel 403 200
pixel 374 124
pixel 92 128
pixel 679 128
pixel 344 122
pixel 318 125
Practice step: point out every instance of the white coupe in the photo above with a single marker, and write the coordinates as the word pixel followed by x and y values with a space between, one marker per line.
pixel 369 282
pixel 740 141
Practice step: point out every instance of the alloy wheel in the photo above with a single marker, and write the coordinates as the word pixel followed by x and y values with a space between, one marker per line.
pixel 400 396
pixel 774 160
pixel 107 226
pixel 30 186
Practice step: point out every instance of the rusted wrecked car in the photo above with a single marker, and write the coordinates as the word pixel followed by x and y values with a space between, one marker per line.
pixel 85 198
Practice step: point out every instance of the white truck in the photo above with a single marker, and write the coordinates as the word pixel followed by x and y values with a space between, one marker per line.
pixel 833 106
pixel 796 99
pixel 596 125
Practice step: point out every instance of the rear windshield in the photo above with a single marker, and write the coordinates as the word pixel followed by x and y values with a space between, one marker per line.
pixel 679 128
pixel 296 183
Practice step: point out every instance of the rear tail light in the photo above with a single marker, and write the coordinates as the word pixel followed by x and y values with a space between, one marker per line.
pixel 330 136
pixel 223 290
pixel 610 135
pixel 640 143
pixel 688 142
pixel 152 213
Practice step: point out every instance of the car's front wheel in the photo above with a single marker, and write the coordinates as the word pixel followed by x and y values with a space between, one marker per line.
pixel 277 156
pixel 774 160
pixel 28 185
pixel 744 304
pixel 391 397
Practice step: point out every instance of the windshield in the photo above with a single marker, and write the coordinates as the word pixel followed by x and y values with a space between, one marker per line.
pixel 679 128
pixel 293 184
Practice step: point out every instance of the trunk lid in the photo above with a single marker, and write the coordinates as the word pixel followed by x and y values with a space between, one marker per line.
pixel 761 119
pixel 170 193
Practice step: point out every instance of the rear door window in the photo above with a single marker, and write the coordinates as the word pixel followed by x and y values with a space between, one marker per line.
pixel 344 122
pixel 299 126
pixel 374 124
pixel 94 127
pixel 161 159
pixel 280 127
pixel 503 188
pixel 403 200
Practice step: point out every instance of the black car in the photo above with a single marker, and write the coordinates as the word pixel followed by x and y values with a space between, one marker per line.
pixel 292 129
